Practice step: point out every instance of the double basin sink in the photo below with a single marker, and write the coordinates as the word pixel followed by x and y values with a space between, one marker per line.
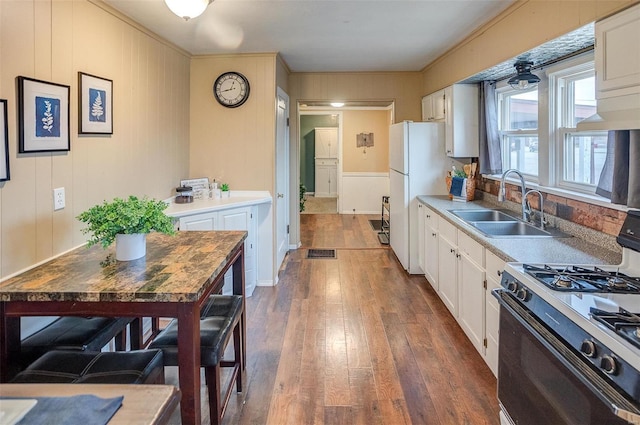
pixel 498 224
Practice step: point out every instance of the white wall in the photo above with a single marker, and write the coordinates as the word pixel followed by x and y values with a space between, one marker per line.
pixel 362 192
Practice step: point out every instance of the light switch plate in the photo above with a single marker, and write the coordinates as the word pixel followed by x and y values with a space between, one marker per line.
pixel 58 198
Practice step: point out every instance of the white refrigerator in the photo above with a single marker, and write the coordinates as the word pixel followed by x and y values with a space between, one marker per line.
pixel 417 166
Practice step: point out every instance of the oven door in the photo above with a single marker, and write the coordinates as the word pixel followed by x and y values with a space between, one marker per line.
pixel 541 381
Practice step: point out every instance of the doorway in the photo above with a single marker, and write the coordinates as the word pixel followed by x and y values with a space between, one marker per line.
pixel 320 161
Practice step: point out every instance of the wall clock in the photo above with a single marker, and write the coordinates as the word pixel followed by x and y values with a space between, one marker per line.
pixel 231 89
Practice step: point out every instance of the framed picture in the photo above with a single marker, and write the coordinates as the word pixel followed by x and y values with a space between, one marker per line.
pixel 4 142
pixel 95 103
pixel 43 116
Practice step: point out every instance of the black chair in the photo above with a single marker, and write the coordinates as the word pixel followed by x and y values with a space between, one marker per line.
pixel 74 333
pixel 219 319
pixel 87 367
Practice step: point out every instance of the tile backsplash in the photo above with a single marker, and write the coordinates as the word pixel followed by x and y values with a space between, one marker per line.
pixel 602 219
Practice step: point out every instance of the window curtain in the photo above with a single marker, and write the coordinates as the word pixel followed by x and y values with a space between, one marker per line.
pixel 620 177
pixel 490 153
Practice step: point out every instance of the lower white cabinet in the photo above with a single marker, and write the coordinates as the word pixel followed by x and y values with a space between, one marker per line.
pixel 241 218
pixel 326 184
pixel 494 267
pixel 471 289
pixel 421 244
pixel 448 266
pixel 464 273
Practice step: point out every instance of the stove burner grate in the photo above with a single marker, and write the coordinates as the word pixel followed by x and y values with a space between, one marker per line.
pixel 624 323
pixel 583 279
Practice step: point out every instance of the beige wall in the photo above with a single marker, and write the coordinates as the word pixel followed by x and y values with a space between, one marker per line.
pixel 148 152
pixel 234 145
pixel 376 158
pixel 527 24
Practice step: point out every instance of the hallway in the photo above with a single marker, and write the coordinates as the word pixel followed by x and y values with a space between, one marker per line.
pixel 355 340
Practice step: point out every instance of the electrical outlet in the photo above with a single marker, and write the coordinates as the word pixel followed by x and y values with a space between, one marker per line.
pixel 58 199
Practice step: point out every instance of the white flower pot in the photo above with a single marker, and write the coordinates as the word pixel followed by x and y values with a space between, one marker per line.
pixel 226 193
pixel 131 247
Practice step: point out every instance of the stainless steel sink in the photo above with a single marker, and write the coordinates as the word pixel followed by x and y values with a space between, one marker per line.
pixel 496 229
pixel 482 215
pixel 497 224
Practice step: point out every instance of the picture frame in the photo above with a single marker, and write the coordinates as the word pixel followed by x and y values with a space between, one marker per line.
pixel 4 142
pixel 95 104
pixel 43 116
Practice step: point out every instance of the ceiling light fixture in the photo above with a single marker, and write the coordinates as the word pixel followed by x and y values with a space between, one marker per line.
pixel 524 79
pixel 187 9
pixel 337 104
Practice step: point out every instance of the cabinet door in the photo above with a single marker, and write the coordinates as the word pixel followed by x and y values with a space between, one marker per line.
pixel 323 181
pixel 326 141
pixel 617 54
pixel 431 254
pixel 421 236
pixel 205 221
pixel 447 274
pixel 462 135
pixel 240 219
pixel 471 301
pixel 333 180
pixel 427 108
pixel 438 105
pixel 494 266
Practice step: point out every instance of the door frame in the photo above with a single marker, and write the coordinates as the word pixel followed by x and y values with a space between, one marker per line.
pixel 282 166
pixel 328 111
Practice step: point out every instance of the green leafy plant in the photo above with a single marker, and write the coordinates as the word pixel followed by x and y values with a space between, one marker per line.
pixel 125 216
pixel 303 190
pixel 224 187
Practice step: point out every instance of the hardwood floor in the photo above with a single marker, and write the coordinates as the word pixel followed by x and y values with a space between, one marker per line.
pixel 355 340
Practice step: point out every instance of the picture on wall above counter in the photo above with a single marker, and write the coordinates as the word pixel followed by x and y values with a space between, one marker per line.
pixel 95 104
pixel 43 116
pixel 4 142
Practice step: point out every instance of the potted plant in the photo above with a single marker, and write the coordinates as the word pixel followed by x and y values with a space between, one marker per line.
pixel 224 187
pixel 127 221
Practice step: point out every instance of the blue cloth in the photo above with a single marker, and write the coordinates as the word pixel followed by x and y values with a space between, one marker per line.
pixel 83 409
pixel 456 186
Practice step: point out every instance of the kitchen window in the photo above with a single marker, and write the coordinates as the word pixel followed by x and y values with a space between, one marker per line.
pixel 518 125
pixel 539 135
pixel 581 154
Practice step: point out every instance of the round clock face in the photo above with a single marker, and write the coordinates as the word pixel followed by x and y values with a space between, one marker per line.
pixel 231 89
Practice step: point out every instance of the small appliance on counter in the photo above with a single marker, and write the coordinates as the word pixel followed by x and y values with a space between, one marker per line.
pixel 184 195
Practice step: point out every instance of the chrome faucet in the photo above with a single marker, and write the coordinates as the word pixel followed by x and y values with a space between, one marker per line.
pixel 502 191
pixel 542 221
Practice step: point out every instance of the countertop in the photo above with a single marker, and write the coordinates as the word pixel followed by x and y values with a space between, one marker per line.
pixel 238 198
pixel 570 250
pixel 177 268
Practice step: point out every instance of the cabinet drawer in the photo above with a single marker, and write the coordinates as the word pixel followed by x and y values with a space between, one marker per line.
pixel 470 248
pixel 447 230
pixel 494 265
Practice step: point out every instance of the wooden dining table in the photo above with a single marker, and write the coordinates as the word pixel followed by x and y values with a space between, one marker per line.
pixel 174 279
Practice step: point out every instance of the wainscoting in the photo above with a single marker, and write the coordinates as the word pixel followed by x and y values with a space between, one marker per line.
pixel 362 192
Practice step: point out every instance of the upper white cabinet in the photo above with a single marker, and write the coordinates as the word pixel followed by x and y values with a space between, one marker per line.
pixel 433 106
pixel 617 54
pixel 326 140
pixel 461 120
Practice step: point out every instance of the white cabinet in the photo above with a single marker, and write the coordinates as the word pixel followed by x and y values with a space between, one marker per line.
pixel 461 121
pixel 433 106
pixel 230 219
pixel 326 141
pixel 617 54
pixel 448 266
pixel 421 245
pixel 471 289
pixel 430 250
pixel 494 267
pixel 326 184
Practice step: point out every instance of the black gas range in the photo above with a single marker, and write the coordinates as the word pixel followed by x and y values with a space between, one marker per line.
pixel 570 340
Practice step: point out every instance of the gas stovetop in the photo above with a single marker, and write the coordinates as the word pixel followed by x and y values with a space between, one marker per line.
pixel 583 279
pixel 623 323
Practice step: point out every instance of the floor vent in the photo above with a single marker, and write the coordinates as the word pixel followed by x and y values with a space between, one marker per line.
pixel 376 225
pixel 321 253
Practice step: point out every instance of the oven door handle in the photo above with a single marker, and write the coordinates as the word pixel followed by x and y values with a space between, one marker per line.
pixel 632 418
pixel 513 307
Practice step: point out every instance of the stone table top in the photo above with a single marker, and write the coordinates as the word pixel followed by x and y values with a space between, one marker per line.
pixel 177 268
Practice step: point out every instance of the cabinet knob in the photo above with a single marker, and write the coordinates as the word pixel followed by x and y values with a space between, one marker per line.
pixel 499 272
pixel 280 195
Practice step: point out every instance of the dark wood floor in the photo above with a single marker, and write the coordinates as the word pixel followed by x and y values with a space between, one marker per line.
pixel 355 340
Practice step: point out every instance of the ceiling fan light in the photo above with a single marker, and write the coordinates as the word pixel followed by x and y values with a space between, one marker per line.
pixel 187 9
pixel 524 79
